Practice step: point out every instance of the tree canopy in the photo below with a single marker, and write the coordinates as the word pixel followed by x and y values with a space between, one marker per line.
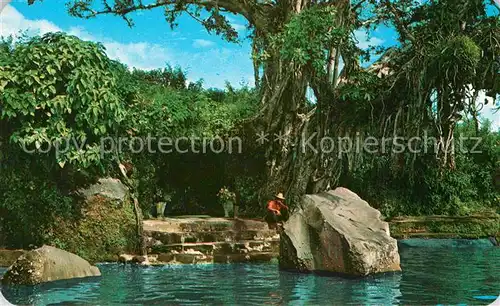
pixel 56 87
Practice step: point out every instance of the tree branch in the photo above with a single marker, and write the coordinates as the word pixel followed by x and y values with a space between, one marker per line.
pixel 250 9
pixel 399 23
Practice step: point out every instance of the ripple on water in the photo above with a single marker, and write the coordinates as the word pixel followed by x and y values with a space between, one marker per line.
pixel 430 276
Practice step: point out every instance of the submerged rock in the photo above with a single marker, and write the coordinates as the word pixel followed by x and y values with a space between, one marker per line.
pixel 337 231
pixel 47 264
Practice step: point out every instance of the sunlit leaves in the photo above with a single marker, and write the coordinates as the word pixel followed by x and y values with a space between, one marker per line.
pixel 307 36
pixel 454 60
pixel 59 87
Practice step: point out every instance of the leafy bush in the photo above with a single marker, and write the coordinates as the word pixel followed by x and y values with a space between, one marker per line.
pixel 425 190
pixel 57 88
pixel 30 201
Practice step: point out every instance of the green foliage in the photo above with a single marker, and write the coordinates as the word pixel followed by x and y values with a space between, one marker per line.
pixel 162 111
pixel 447 227
pixel 88 103
pixel 425 190
pixel 165 111
pixel 447 49
pixel 104 231
pixel 29 206
pixel 57 88
pixel 359 103
pixel 307 35
pixel 221 118
pixel 6 45
pixel 30 198
pixel 168 77
pixel 455 58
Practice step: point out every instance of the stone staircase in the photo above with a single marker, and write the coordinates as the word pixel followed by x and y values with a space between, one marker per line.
pixel 209 240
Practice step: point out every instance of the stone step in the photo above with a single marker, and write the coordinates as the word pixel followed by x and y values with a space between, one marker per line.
pixel 177 225
pixel 197 258
pixel 219 248
pixel 251 257
pixel 210 236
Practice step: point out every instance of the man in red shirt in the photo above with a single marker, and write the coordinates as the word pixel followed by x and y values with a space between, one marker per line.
pixel 274 211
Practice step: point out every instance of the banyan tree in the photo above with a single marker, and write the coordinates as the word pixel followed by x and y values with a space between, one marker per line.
pixel 310 46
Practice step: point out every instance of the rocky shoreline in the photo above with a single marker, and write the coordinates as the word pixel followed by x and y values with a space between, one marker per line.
pixel 220 240
pixel 447 227
pixel 215 240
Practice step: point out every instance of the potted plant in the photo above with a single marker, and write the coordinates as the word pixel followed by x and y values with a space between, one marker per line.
pixel 162 204
pixel 227 199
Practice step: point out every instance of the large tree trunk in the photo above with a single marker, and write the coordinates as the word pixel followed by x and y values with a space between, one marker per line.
pixel 292 167
pixel 295 163
pixel 447 114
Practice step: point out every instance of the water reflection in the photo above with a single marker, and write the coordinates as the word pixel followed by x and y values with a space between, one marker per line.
pixel 430 276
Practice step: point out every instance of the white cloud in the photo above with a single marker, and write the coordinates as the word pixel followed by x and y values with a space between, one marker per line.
pixel 211 62
pixel 364 41
pixel 81 33
pixel 12 22
pixel 488 110
pixel 3 3
pixel 202 43
pixel 141 55
pixel 237 26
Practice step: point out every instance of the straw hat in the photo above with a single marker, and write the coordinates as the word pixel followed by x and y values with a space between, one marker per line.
pixel 280 196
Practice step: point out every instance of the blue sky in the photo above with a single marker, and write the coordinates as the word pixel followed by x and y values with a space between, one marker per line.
pixel 152 44
pixel 149 44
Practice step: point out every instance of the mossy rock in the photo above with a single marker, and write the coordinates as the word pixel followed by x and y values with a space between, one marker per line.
pixel 105 229
pixel 8 257
pixel 47 264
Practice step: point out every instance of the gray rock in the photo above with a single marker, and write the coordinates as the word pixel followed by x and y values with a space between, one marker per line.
pixel 337 231
pixel 8 257
pixel 48 264
pixel 110 188
pixel 125 258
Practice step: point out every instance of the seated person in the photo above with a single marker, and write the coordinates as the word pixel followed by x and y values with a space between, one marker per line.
pixel 274 214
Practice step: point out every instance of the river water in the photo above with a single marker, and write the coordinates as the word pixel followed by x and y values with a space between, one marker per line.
pixel 442 273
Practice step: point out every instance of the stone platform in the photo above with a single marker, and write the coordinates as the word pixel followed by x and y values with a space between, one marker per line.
pixel 447 227
pixel 209 240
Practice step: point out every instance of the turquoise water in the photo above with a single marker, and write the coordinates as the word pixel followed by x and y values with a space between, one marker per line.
pixel 450 274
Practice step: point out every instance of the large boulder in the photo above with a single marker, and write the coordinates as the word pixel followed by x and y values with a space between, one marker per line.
pixel 337 231
pixel 105 227
pixel 8 257
pixel 110 188
pixel 47 264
